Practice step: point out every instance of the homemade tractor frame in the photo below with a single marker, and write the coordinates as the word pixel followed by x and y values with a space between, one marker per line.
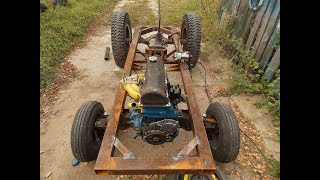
pixel 153 111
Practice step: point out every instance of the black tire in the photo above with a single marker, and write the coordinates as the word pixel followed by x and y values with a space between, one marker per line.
pixel 191 37
pixel 196 177
pixel 224 140
pixel 121 36
pixel 219 174
pixel 84 144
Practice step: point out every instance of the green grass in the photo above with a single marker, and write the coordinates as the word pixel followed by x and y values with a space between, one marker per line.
pixel 64 27
pixel 140 14
pixel 240 83
pixel 274 167
pixel 172 11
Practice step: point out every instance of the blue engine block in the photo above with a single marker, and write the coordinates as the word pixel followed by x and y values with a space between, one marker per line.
pixel 164 112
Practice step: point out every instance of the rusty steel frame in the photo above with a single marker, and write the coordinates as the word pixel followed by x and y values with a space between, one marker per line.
pixel 203 163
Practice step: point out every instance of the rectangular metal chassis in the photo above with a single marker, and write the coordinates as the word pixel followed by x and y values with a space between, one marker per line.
pixel 203 163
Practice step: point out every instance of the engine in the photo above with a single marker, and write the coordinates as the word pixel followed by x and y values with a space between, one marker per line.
pixel 155 117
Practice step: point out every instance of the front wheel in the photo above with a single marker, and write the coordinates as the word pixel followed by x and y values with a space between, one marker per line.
pixel 224 138
pixel 191 37
pixel 86 137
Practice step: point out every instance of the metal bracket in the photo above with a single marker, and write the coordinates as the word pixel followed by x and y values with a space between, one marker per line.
pixel 187 149
pixel 126 154
pixel 102 122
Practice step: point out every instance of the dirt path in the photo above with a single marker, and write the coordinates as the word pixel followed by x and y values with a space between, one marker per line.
pixel 97 79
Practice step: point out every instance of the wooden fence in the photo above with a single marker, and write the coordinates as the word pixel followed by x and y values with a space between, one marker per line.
pixel 257 23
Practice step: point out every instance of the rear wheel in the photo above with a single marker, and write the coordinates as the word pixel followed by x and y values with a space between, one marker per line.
pixel 191 37
pixel 219 174
pixel 86 137
pixel 224 137
pixel 121 36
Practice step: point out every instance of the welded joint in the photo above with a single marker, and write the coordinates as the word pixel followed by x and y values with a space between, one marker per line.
pixel 126 154
pixel 187 149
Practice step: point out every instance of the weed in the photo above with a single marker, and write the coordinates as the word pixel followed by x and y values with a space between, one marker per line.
pixel 274 167
pixel 248 79
pixel 259 104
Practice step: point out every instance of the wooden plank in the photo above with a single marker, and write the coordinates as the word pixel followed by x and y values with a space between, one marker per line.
pixel 229 5
pixel 225 7
pixel 273 66
pixel 270 49
pixel 248 23
pixel 223 11
pixel 234 7
pixel 234 14
pixel 264 24
pixel 269 29
pixel 221 8
pixel 256 24
pixel 240 17
pixel 230 8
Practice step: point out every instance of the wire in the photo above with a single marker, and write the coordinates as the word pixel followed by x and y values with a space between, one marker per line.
pixel 205 82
